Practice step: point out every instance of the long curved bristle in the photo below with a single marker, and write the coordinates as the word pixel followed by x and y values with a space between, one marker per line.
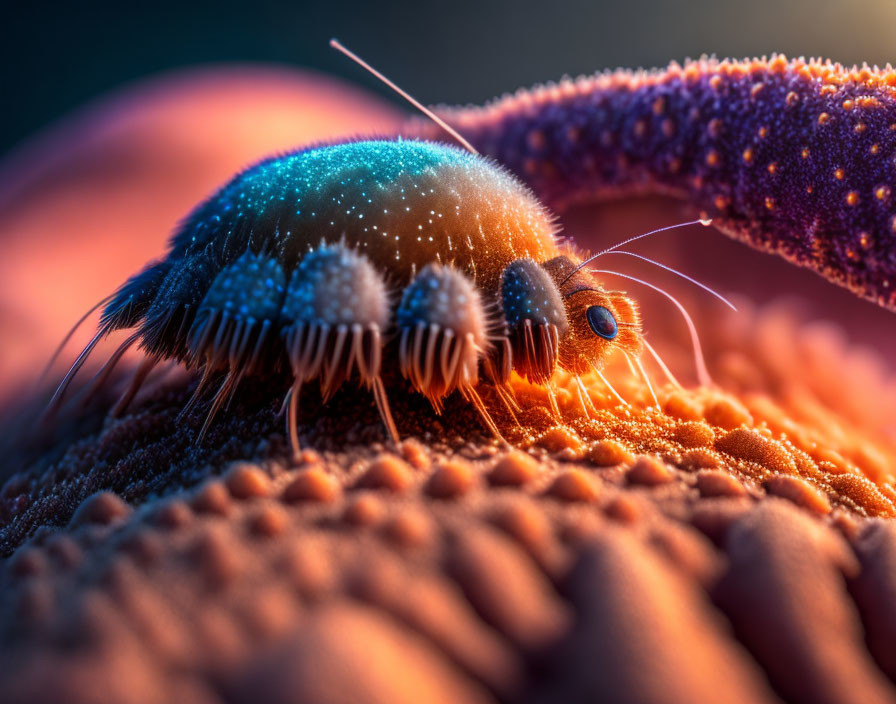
pixel 292 408
pixel 607 383
pixel 146 366
pixel 382 404
pixel 662 365
pixel 702 372
pixel 225 391
pixel 68 336
pixel 56 400
pixel 643 372
pixel 106 370
pixel 705 223
pixel 677 273
pixel 470 394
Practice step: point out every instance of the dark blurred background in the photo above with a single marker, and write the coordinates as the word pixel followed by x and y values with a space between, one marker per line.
pixel 58 56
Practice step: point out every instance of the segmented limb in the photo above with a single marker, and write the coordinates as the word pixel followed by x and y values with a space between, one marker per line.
pixel 607 383
pixel 139 376
pixel 56 400
pixel 225 391
pixel 662 365
pixel 291 403
pixel 106 370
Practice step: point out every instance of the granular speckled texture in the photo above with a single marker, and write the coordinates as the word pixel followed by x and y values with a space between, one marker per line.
pixel 561 570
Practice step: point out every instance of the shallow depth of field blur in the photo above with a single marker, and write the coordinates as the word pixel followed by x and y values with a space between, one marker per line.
pixel 97 165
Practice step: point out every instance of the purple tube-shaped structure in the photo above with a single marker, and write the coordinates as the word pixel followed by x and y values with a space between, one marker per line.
pixel 792 157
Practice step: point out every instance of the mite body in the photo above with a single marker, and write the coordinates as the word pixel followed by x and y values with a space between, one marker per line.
pixel 369 259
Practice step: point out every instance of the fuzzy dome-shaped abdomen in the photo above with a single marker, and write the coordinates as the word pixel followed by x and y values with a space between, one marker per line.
pixel 403 204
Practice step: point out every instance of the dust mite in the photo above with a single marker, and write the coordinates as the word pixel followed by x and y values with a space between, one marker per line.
pixel 293 264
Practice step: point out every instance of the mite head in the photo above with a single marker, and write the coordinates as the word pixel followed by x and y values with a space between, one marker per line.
pixel 598 321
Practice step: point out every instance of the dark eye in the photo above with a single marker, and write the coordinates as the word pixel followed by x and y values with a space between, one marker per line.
pixel 602 322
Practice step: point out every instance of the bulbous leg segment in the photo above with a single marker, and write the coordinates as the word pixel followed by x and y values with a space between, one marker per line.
pixel 336 306
pixel 443 329
pixel 233 323
pixel 536 319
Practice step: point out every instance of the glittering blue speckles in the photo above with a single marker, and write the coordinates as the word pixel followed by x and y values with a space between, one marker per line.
pixel 305 190
pixel 529 293
pixel 251 289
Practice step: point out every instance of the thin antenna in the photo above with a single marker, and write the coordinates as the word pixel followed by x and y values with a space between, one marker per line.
pixel 677 273
pixel 336 44
pixel 705 223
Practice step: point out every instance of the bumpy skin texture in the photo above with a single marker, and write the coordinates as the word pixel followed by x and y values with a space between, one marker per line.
pixel 719 550
pixel 794 157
